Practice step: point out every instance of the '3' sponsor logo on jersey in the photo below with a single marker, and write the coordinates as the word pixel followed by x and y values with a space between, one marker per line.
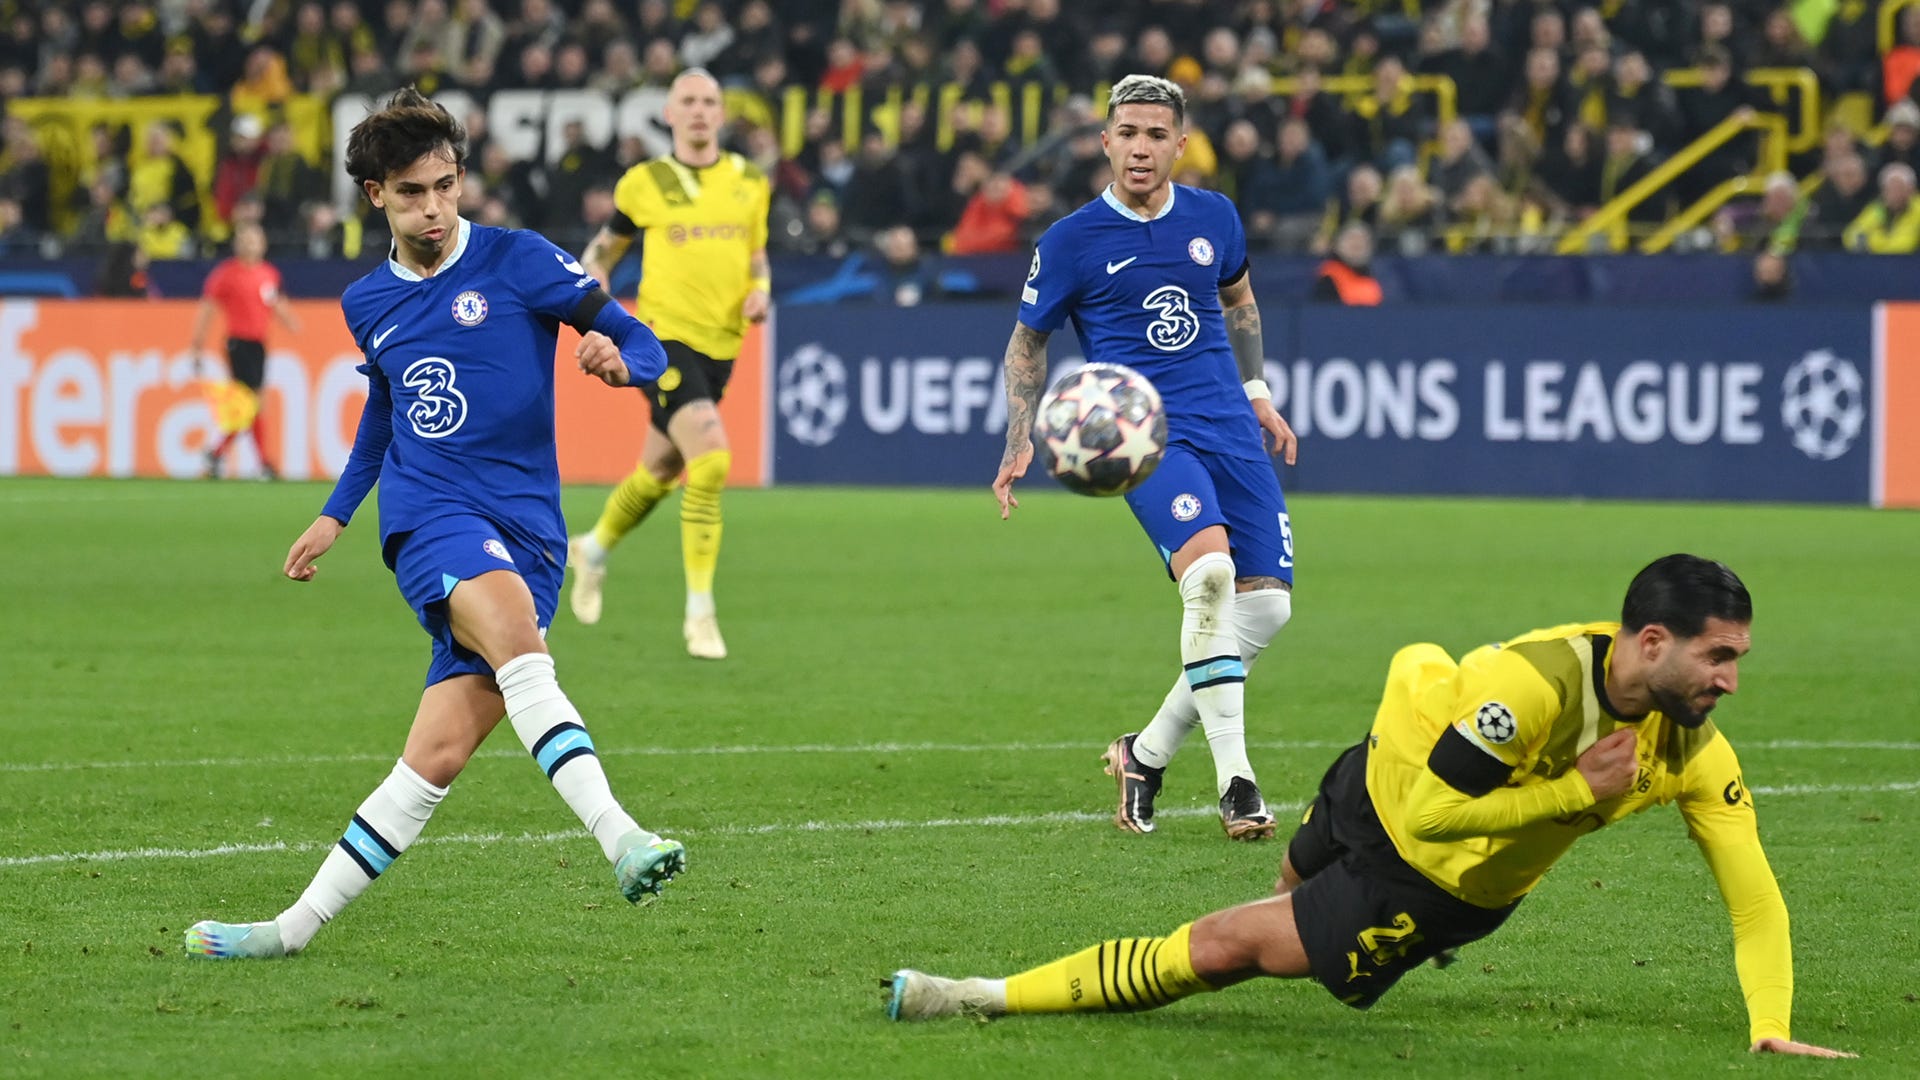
pixel 439 408
pixel 1177 326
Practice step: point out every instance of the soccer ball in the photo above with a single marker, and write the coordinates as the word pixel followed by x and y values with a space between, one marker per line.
pixel 1101 430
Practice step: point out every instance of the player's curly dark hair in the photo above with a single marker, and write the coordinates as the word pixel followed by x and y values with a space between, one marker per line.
pixel 408 127
pixel 1681 592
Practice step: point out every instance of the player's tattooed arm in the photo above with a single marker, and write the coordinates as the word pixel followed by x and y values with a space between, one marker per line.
pixel 602 252
pixel 1250 356
pixel 1243 329
pixel 1026 376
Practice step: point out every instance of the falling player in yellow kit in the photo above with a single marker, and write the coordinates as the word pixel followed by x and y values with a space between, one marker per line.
pixel 703 277
pixel 1474 780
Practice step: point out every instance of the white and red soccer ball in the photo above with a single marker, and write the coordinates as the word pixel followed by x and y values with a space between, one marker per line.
pixel 1101 430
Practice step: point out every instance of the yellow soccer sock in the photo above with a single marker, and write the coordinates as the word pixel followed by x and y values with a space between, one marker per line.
pixel 629 503
pixel 1121 975
pixel 700 518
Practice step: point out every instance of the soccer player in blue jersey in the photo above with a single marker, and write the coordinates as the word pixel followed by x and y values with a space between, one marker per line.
pixel 459 328
pixel 1154 276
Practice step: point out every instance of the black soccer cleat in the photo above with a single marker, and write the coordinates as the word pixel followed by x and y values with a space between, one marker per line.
pixel 1243 813
pixel 1138 785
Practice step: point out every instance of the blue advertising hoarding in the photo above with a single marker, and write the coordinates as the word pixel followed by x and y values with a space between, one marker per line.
pixel 1718 403
pixel 885 395
pixel 1744 403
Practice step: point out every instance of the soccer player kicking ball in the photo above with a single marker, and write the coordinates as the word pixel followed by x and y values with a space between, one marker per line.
pixel 1154 275
pixel 459 329
pixel 704 276
pixel 1474 780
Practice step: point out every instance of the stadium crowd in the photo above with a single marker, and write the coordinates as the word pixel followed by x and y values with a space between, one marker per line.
pixel 1560 107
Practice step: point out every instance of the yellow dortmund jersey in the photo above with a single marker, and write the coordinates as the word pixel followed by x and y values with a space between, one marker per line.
pixel 1521 713
pixel 701 228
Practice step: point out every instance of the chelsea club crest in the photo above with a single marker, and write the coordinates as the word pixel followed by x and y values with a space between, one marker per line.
pixel 469 308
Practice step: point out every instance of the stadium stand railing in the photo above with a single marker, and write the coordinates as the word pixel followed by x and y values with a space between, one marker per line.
pixel 1610 222
pixel 1890 22
pixel 1797 87
pixel 1026 105
pixel 1784 84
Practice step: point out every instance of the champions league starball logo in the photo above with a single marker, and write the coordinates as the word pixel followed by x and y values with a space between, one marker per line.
pixel 1823 404
pixel 812 395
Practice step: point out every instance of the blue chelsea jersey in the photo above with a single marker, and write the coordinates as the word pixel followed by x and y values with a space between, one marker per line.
pixel 1146 293
pixel 466 358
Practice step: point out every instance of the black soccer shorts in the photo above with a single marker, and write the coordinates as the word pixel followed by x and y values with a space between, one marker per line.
pixel 1366 917
pixel 247 359
pixel 691 376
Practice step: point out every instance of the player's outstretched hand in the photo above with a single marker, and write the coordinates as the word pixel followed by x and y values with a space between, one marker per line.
pixel 600 357
pixel 1609 765
pixel 312 544
pixel 757 304
pixel 1012 467
pixel 1788 1046
pixel 1284 440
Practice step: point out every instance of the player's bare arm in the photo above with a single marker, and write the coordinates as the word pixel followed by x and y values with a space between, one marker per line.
pixel 312 544
pixel 202 318
pixel 760 297
pixel 1026 364
pixel 603 251
pixel 284 312
pixel 1250 355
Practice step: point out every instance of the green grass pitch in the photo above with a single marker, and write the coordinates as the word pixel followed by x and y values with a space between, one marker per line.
pixel 898 766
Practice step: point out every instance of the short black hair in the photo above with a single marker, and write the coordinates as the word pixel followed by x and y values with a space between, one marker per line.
pixel 1681 592
pixel 408 127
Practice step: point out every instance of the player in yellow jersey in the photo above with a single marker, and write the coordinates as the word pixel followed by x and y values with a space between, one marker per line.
pixel 1474 780
pixel 703 278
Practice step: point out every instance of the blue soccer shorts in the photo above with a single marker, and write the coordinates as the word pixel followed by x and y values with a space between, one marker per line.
pixel 429 561
pixel 1193 489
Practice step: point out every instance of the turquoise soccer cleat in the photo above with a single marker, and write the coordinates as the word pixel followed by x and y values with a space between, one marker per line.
pixel 234 941
pixel 646 868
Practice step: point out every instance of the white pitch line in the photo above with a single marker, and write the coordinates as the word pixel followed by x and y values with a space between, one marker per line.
pixel 1803 744
pixel 878 825
pixel 25 497
pixel 1837 789
pixel 633 751
pixel 800 748
pixel 1057 817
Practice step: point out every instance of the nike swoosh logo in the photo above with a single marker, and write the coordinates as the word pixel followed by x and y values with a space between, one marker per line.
pixel 384 335
pixel 571 266
pixel 1114 268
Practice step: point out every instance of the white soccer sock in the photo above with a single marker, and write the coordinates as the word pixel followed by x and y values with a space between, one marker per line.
pixel 592 551
pixel 699 605
pixel 385 824
pixel 1210 655
pixel 1257 617
pixel 550 727
pixel 1161 738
